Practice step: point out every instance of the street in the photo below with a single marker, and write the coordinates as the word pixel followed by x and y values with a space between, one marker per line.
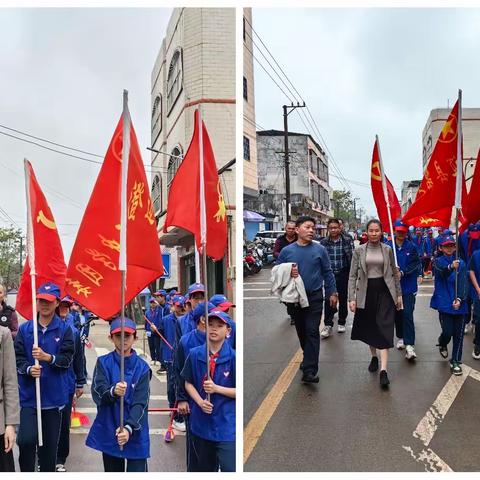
pixel 426 421
pixel 164 457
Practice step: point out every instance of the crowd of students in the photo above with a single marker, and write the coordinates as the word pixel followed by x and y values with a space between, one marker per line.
pixel 201 393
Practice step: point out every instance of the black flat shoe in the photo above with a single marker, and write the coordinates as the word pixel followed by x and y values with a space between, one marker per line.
pixel 309 378
pixel 384 381
pixel 373 367
pixel 301 366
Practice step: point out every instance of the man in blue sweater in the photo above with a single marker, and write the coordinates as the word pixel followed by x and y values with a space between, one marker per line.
pixel 311 262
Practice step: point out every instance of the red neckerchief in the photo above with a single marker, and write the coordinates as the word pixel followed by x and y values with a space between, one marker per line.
pixel 212 363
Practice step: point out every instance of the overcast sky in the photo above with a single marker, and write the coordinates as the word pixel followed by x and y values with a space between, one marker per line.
pixel 369 71
pixel 63 72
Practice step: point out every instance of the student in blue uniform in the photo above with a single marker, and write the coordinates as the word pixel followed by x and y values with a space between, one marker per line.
pixel 222 303
pixel 167 329
pixel 196 294
pixel 419 242
pixel 76 381
pixel 212 421
pixel 162 310
pixel 81 317
pixel 474 274
pixel 451 308
pixel 153 339
pixel 410 268
pixel 105 434
pixel 55 353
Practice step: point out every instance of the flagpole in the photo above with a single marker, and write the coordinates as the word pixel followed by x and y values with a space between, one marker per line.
pixel 31 262
pixel 203 235
pixel 122 260
pixel 387 201
pixel 458 183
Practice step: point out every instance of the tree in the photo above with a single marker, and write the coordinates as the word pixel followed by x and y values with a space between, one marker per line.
pixel 343 205
pixel 12 256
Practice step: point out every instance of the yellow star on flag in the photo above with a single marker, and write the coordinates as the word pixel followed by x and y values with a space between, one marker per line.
pixel 447 128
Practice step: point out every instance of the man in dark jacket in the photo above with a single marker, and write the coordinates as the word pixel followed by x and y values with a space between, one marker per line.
pixel 340 249
pixel 286 239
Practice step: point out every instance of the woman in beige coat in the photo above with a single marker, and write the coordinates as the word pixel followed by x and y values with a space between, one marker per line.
pixel 374 293
pixel 9 402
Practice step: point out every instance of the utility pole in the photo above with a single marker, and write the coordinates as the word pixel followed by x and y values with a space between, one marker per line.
pixel 287 109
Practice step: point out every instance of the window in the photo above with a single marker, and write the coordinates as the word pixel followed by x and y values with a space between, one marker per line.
pixel 157 194
pixel 245 89
pixel 246 148
pixel 156 117
pixel 174 79
pixel 173 164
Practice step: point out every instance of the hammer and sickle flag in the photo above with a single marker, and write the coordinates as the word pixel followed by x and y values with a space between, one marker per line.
pixel 44 243
pixel 184 200
pixel 436 194
pixel 378 194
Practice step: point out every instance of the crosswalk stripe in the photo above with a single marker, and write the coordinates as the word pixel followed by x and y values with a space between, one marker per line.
pixel 152 397
pixel 152 431
pixel 91 410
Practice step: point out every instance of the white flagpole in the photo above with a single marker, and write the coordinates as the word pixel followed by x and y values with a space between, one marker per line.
pixel 387 200
pixel 203 233
pixel 31 262
pixel 458 183
pixel 122 261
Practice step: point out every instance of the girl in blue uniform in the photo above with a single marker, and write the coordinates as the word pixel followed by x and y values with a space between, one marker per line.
pixel 212 422
pixel 105 434
pixel 451 308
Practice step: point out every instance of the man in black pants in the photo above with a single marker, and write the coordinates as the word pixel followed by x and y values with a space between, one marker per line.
pixel 340 250
pixel 310 262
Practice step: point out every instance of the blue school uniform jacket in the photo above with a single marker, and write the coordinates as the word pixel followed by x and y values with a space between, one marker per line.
pixel 185 324
pixel 76 372
pixel 444 291
pixel 167 329
pixel 419 244
pixel 219 426
pixel 57 340
pixel 102 434
pixel 410 265
pixel 80 324
pixel 474 266
pixel 150 314
pixel 192 339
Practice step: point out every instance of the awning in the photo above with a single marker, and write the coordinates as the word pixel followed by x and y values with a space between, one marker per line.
pixel 249 216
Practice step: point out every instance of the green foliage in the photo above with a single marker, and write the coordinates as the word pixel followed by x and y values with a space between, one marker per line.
pixel 11 259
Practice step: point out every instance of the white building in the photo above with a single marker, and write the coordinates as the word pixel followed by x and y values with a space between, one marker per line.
pixel 195 67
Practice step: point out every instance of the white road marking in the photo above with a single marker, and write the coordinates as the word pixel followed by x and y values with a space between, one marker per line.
pixel 426 286
pixel 152 431
pixel 92 410
pixel 152 397
pixel 260 298
pixel 431 461
pixel 424 295
pixel 257 283
pixel 256 289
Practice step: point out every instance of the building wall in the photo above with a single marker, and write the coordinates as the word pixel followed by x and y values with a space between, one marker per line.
pixel 471 137
pixel 206 39
pixel 250 179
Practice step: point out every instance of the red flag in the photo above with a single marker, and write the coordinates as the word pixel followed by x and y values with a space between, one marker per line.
pixel 45 242
pixel 437 190
pixel 438 218
pixel 378 193
pixel 471 202
pixel 184 198
pixel 93 276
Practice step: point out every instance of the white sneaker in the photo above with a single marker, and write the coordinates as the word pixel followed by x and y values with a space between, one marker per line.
pixel 326 331
pixel 400 344
pixel 468 328
pixel 410 352
pixel 341 329
pixel 180 426
pixel 60 468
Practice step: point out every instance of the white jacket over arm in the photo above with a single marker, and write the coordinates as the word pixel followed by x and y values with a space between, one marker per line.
pixel 287 288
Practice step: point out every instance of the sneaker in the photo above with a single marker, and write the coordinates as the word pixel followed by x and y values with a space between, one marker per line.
pixel 152 362
pixel 384 381
pixel 326 331
pixel 161 370
pixel 443 350
pixel 400 344
pixel 468 328
pixel 309 378
pixel 373 367
pixel 455 368
pixel 410 353
pixel 180 426
pixel 341 329
pixel 292 321
pixel 60 468
pixel 476 353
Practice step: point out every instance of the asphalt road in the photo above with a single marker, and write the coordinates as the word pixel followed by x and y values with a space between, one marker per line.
pixel 164 457
pixel 426 421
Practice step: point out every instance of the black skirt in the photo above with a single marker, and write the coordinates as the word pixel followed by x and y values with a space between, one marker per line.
pixel 374 324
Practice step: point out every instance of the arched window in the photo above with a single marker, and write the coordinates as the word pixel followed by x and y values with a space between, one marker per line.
pixel 173 164
pixel 157 194
pixel 156 117
pixel 174 79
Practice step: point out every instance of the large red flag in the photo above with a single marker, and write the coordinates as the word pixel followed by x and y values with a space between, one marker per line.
pixel 471 204
pixel 378 193
pixel 93 276
pixel 436 194
pixel 184 198
pixel 45 242
pixel 437 218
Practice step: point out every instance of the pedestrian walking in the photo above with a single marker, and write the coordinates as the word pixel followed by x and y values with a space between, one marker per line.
pixel 81 317
pixel 163 309
pixel 449 299
pixel 410 269
pixel 55 354
pixel 474 274
pixel 374 292
pixel 9 406
pixel 310 261
pixel 8 315
pixel 212 400
pixel 340 250
pixel 196 295
pixel 152 338
pixel 105 434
